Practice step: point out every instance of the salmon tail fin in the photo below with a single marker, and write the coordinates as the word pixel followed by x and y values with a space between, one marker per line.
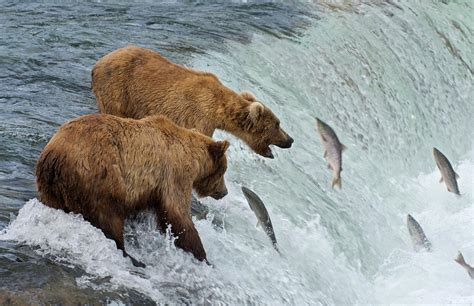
pixel 460 259
pixel 427 244
pixel 336 182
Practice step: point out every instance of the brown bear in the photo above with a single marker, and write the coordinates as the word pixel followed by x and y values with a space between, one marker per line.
pixel 136 82
pixel 109 168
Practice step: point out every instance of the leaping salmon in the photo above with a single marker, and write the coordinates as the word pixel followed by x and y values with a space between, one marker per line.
pixel 333 149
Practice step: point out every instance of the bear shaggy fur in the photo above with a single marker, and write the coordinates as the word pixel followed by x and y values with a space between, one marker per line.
pixel 109 168
pixel 136 82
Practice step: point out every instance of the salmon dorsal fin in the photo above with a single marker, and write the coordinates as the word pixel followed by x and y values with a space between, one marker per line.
pixel 456 175
pixel 343 147
pixel 441 180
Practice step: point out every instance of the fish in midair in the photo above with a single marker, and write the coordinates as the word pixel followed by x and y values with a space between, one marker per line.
pixel 333 149
pixel 417 235
pixel 460 260
pixel 261 212
pixel 447 172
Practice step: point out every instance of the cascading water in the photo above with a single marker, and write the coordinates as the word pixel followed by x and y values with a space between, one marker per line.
pixel 394 80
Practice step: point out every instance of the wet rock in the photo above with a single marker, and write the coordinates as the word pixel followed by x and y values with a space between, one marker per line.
pixel 30 279
pixel 200 211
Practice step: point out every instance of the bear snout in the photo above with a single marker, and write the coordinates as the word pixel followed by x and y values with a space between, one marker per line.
pixel 285 144
pixel 219 195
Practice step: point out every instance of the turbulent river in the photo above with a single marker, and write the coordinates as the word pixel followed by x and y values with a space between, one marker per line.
pixel 393 78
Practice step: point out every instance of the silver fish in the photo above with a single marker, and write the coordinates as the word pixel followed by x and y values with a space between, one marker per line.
pixel 333 149
pixel 447 172
pixel 261 212
pixel 417 235
pixel 460 260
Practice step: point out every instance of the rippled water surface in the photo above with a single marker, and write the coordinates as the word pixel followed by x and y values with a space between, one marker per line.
pixel 393 78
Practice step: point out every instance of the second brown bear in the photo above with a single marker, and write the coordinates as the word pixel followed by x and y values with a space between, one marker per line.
pixel 109 168
pixel 137 82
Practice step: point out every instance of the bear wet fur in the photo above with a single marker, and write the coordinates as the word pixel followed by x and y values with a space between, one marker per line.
pixel 136 82
pixel 109 168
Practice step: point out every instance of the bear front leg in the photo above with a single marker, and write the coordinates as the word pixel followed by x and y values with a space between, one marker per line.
pixel 189 240
pixel 183 229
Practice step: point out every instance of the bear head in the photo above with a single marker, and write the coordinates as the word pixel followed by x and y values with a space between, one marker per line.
pixel 262 128
pixel 213 183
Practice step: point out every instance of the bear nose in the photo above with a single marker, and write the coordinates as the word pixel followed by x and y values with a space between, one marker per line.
pixel 219 195
pixel 285 144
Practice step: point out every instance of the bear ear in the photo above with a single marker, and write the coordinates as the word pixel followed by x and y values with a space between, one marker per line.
pixel 256 110
pixel 217 149
pixel 248 96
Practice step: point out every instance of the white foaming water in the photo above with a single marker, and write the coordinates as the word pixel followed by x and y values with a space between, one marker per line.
pixel 248 270
pixel 387 81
